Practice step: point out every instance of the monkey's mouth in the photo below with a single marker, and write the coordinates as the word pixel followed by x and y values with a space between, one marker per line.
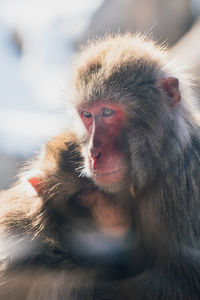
pixel 107 178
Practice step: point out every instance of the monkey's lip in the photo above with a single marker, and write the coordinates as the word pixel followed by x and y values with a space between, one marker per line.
pixel 109 173
pixel 109 177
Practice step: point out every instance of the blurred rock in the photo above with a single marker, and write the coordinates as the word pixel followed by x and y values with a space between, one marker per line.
pixel 187 52
pixel 9 167
pixel 166 20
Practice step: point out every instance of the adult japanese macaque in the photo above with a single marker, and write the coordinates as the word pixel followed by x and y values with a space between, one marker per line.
pixel 143 132
pixel 141 137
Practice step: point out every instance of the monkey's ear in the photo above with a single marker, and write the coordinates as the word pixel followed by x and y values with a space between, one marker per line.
pixel 36 183
pixel 171 86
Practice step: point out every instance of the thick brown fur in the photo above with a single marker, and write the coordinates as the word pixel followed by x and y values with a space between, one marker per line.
pixel 163 143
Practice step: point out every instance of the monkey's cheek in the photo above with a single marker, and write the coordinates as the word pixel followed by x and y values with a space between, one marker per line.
pixel 132 192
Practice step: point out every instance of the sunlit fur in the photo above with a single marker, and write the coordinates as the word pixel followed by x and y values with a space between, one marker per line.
pixel 163 145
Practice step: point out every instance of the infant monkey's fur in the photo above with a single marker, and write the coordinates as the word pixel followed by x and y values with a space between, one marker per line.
pixel 53 178
pixel 32 221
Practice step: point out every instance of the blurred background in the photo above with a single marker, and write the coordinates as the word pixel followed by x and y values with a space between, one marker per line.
pixel 38 40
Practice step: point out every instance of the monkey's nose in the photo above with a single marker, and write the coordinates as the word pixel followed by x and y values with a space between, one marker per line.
pixel 95 153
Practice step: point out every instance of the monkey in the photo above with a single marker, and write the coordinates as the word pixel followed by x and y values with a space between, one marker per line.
pixel 141 137
pixel 142 133
pixel 31 218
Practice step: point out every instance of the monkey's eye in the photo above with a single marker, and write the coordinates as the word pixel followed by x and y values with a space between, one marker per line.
pixel 87 114
pixel 107 112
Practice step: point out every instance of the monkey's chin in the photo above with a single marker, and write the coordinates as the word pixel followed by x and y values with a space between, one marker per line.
pixel 111 182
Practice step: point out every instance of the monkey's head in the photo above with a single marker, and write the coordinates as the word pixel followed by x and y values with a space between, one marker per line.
pixel 55 173
pixel 128 99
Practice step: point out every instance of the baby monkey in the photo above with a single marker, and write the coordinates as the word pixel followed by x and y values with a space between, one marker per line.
pixel 55 223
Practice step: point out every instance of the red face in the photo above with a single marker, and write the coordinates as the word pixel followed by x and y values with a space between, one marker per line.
pixel 105 123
